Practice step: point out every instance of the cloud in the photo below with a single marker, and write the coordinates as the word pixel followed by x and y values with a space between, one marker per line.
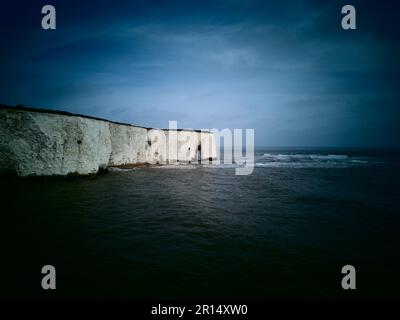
pixel 286 69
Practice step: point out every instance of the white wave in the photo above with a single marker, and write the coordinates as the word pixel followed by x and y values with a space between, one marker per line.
pixel 305 164
pixel 304 157
pixel 177 166
pixel 222 166
pixel 309 160
pixel 359 161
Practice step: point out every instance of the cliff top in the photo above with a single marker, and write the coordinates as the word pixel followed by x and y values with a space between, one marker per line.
pixel 65 113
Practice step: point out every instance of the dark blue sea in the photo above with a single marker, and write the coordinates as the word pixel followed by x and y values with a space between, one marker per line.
pixel 284 231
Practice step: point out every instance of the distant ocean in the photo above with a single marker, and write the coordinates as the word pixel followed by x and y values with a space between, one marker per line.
pixel 202 232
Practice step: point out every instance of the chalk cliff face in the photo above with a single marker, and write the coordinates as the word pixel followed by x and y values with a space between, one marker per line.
pixel 128 144
pixel 48 143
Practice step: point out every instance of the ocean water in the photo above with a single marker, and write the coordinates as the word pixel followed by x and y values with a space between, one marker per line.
pixel 284 231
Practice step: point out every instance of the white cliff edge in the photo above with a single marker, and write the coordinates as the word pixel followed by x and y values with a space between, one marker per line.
pixel 44 142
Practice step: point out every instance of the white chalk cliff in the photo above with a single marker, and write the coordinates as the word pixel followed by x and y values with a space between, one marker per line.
pixel 35 142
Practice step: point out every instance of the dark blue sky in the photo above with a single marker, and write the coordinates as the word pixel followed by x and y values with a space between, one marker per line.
pixel 286 69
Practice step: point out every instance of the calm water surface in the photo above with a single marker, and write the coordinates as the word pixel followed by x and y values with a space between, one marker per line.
pixel 201 231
